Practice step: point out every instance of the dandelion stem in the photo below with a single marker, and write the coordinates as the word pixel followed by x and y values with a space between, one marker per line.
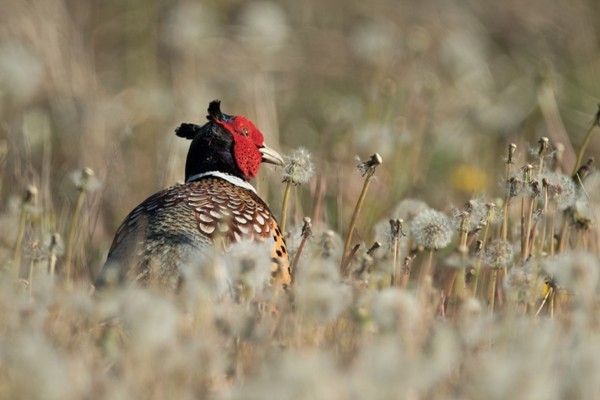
pixel 406 272
pixel 509 161
pixel 29 200
pixel 493 290
pixel 30 274
pixel 284 206
pixel 366 263
pixel 369 172
pixel 544 302
pixel 395 271
pixel 53 254
pixel 71 234
pixel 564 235
pixel 479 260
pixel 306 233
pixel 526 222
pixel 395 231
pixel 344 269
pixel 544 144
pixel 528 229
pixel 426 270
pixel 83 186
pixel 551 236
pixel 463 249
pixel 552 298
pixel 586 141
pixel 449 291
pixel 523 227
pixel 505 219
pixel 357 208
pixel 19 242
pixel 298 170
pixel 545 216
pixel 458 289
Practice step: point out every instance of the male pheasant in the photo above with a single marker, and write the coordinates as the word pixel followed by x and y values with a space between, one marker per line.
pixel 180 226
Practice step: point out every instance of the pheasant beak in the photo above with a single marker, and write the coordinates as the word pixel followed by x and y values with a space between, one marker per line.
pixel 270 156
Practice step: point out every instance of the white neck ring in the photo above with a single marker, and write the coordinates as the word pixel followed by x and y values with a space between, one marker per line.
pixel 229 178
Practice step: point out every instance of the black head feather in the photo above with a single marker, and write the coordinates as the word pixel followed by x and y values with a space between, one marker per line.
pixel 212 144
pixel 214 111
pixel 188 131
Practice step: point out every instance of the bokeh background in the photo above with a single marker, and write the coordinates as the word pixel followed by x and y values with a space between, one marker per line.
pixel 438 88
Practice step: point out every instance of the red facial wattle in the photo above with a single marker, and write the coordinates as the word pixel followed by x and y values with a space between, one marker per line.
pixel 247 139
pixel 247 156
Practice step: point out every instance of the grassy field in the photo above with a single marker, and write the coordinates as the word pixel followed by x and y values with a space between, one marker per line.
pixel 477 274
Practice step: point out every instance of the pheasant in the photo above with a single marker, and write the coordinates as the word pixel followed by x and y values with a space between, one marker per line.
pixel 180 226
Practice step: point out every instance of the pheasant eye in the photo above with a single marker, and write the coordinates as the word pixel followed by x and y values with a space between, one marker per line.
pixel 245 131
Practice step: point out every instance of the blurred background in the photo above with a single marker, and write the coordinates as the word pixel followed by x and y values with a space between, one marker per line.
pixel 438 88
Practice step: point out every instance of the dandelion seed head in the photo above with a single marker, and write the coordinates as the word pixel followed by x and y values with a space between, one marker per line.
pixel 314 269
pixel 150 319
pixel 432 229
pixel 521 285
pixel 544 143
pixel 242 321
pixel 319 293
pixel 249 264
pixel 34 358
pixel 515 187
pixel 55 243
pixel 577 272
pixel 394 309
pixel 584 209
pixel 294 237
pixel 511 152
pixel 298 168
pixel 326 244
pixel 407 209
pixel 296 375
pixel 361 266
pixel 527 172
pixel 21 71
pixel 472 323
pixel 458 259
pixel 30 200
pixel 85 180
pixel 382 366
pixel 477 210
pixel 369 166
pixel 31 194
pixel 383 233
pixel 498 253
pixel 482 213
pixel 561 189
pixel 470 309
pixel 322 301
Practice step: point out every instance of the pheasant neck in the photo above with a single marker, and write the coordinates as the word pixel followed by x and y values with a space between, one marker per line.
pixel 228 177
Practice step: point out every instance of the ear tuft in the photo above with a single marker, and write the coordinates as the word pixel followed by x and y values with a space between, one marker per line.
pixel 214 111
pixel 187 131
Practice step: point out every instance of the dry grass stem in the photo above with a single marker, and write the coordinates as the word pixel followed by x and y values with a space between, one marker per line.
pixel 367 168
